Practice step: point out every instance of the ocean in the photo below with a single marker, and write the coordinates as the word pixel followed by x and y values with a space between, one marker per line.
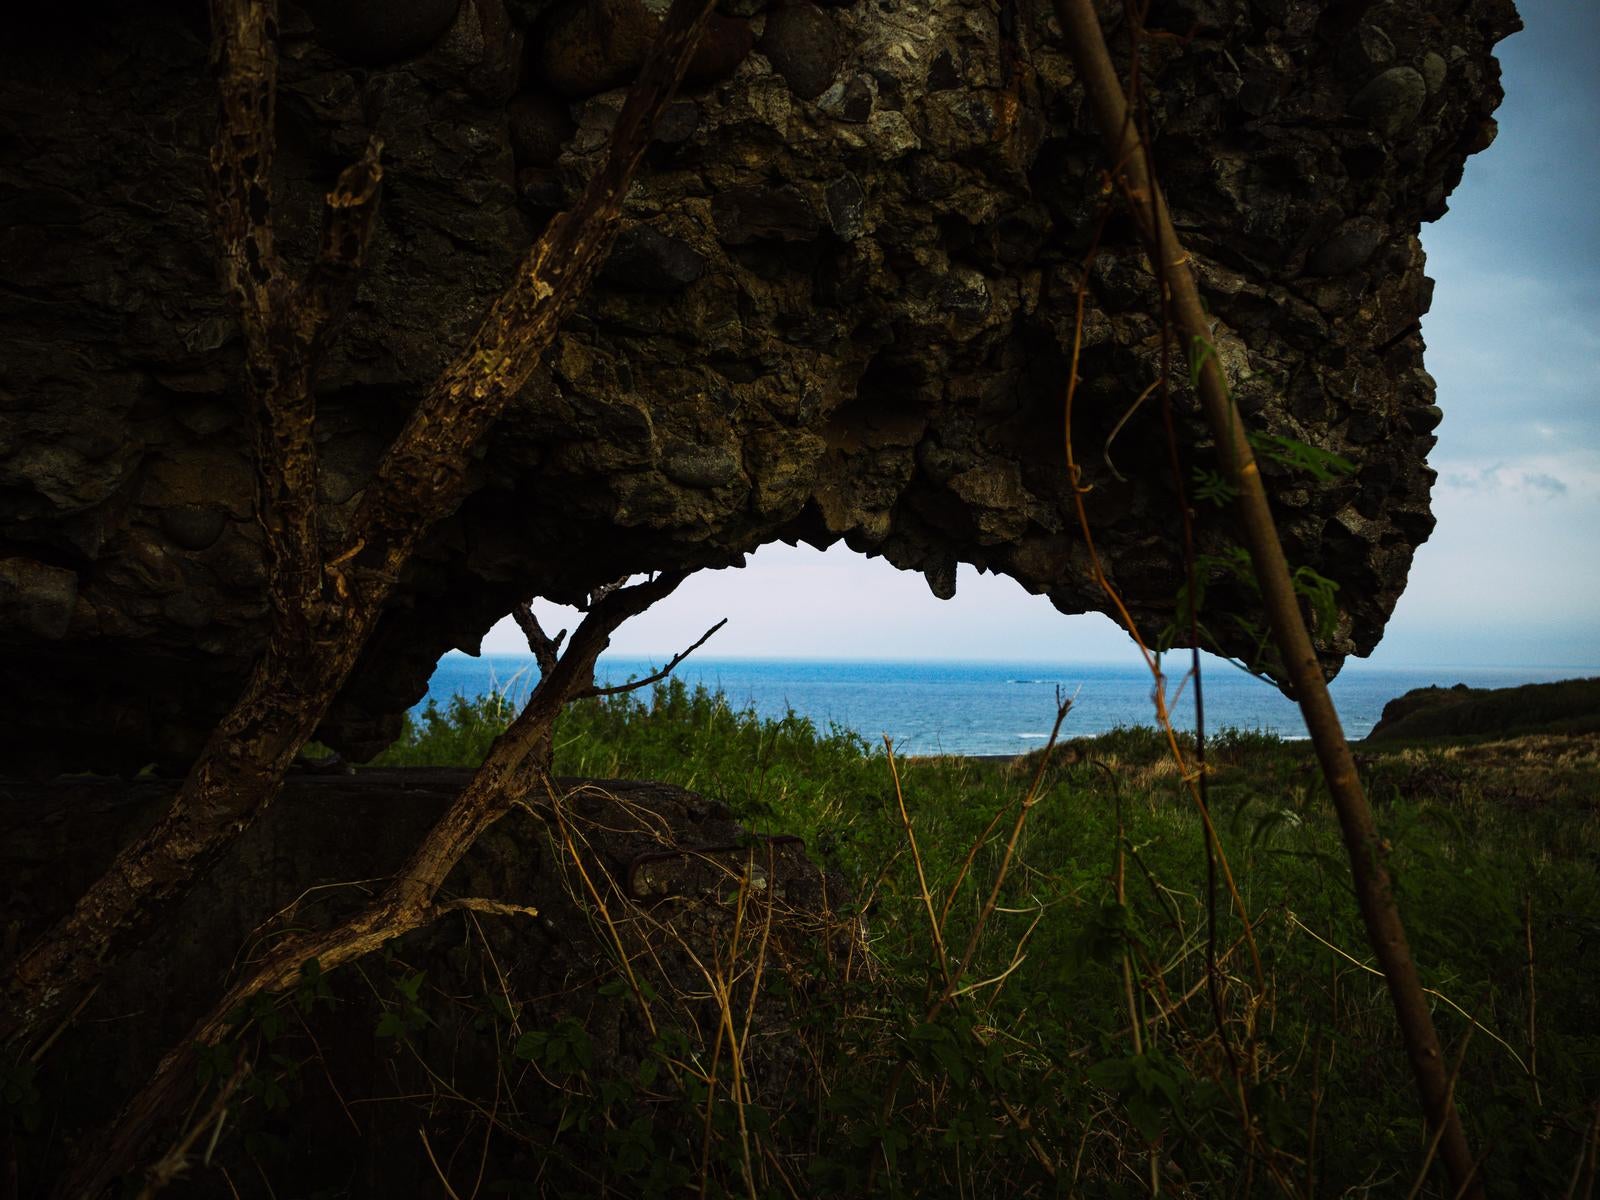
pixel 942 707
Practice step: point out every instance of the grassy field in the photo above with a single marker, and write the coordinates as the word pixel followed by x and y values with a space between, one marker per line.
pixel 1041 1019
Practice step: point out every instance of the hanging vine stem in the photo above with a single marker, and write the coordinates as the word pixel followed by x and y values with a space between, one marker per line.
pixel 1193 777
pixel 1366 849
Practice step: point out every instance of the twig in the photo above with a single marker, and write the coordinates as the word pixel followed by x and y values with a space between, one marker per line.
pixel 437 1170
pixel 1433 1142
pixel 176 1160
pixel 634 685
pixel 1588 1152
pixel 546 649
pixel 605 589
pixel 1434 992
pixel 66 1023
pixel 1063 707
pixel 1533 1000
pixel 916 858
pixel 496 908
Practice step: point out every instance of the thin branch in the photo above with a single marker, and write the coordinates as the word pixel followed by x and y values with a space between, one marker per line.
pixel 444 1180
pixel 604 590
pixel 635 684
pixel 512 769
pixel 477 904
pixel 546 649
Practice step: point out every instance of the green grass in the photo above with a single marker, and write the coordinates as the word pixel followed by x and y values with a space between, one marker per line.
pixel 1043 1059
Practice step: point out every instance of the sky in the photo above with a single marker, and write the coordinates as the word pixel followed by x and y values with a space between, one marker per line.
pixel 1511 575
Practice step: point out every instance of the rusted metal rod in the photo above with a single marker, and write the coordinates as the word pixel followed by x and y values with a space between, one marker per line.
pixel 1367 850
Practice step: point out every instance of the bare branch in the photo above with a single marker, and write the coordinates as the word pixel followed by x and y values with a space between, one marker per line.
pixel 572 677
pixel 477 904
pixel 604 590
pixel 545 648
pixel 635 684
pixel 512 769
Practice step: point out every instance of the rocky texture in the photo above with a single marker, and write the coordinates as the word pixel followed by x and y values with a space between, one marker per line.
pixel 1571 706
pixel 835 315
pixel 668 864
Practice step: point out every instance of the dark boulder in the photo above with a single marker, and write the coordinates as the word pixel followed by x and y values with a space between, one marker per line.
pixel 379 32
pixel 802 44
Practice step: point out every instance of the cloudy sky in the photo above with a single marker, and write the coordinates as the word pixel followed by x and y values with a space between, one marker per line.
pixel 1511 575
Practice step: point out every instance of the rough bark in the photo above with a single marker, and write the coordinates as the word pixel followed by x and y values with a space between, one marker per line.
pixel 831 315
pixel 328 598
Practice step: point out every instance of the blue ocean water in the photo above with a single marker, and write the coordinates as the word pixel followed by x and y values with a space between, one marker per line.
pixel 994 707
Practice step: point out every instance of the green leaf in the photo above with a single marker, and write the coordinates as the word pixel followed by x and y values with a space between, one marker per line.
pixel 531 1045
pixel 1322 465
pixel 411 986
pixel 949 1056
pixel 1113 1074
pixel 1146 1115
pixel 271 1023
pixel 1320 591
pixel 1213 487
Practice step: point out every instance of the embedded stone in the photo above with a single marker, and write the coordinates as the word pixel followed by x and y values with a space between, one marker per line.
pixel 36 597
pixel 1434 70
pixel 849 100
pixel 700 466
pixel 726 42
pixel 801 42
pixel 540 125
pixel 193 526
pixel 590 46
pixel 1424 418
pixel 678 123
pixel 1366 50
pixel 1352 245
pixel 847 207
pixel 749 214
pixel 1391 102
pixel 644 259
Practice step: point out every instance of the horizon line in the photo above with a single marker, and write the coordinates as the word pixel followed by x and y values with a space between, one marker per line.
pixel 1350 662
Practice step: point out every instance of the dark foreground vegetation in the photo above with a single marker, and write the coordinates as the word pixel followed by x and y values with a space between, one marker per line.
pixel 1028 1008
